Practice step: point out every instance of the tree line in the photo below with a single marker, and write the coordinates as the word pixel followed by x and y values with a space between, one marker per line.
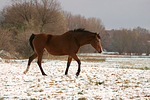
pixel 24 17
pixel 136 41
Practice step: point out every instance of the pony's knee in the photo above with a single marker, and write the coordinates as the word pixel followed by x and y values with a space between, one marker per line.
pixel 79 62
pixel 39 62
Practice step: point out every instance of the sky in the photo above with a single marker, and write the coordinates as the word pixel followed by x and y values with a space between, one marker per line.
pixel 115 14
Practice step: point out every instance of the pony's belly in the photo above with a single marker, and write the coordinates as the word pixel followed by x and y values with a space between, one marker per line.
pixel 56 52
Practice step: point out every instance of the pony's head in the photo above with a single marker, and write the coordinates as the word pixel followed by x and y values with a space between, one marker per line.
pixel 96 43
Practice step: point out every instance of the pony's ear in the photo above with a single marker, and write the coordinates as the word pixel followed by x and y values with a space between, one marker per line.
pixel 98 35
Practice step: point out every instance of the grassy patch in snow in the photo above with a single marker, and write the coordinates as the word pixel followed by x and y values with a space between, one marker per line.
pixel 63 58
pixel 93 60
pixel 82 58
pixel 131 67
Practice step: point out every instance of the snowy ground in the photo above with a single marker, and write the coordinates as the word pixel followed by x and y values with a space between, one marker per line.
pixel 114 78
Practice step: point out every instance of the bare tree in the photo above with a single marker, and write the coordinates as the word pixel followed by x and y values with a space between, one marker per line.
pixel 19 14
pixel 78 21
pixel 34 15
pixel 21 44
pixel 94 24
pixel 74 21
pixel 5 41
pixel 48 12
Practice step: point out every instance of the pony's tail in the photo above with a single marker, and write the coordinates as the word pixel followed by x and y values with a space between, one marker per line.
pixel 30 40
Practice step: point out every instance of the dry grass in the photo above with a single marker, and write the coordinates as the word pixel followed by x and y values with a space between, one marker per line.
pixel 62 58
pixel 93 60
pixel 65 58
pixel 140 68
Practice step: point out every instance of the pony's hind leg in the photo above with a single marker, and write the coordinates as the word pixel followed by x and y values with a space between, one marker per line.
pixel 40 66
pixel 29 62
pixel 40 54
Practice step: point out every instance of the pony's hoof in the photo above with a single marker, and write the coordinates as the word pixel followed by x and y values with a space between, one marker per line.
pixel 66 73
pixel 24 72
pixel 77 74
pixel 44 74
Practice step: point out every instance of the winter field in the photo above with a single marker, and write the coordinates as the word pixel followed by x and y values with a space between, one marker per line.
pixel 102 77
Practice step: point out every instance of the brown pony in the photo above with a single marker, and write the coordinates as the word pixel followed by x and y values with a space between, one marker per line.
pixel 65 44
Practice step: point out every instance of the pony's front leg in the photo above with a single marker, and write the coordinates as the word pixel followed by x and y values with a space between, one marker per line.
pixel 79 63
pixel 79 68
pixel 68 64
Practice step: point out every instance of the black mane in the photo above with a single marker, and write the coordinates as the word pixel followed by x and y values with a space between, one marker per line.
pixel 79 30
pixel 83 30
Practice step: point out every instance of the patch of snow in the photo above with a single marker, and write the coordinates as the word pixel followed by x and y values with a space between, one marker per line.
pixel 1 59
pixel 100 80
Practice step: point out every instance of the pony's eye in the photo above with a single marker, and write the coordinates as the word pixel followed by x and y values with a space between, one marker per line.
pixel 97 40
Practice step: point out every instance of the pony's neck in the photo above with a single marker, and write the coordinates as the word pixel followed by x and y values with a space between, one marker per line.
pixel 84 38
